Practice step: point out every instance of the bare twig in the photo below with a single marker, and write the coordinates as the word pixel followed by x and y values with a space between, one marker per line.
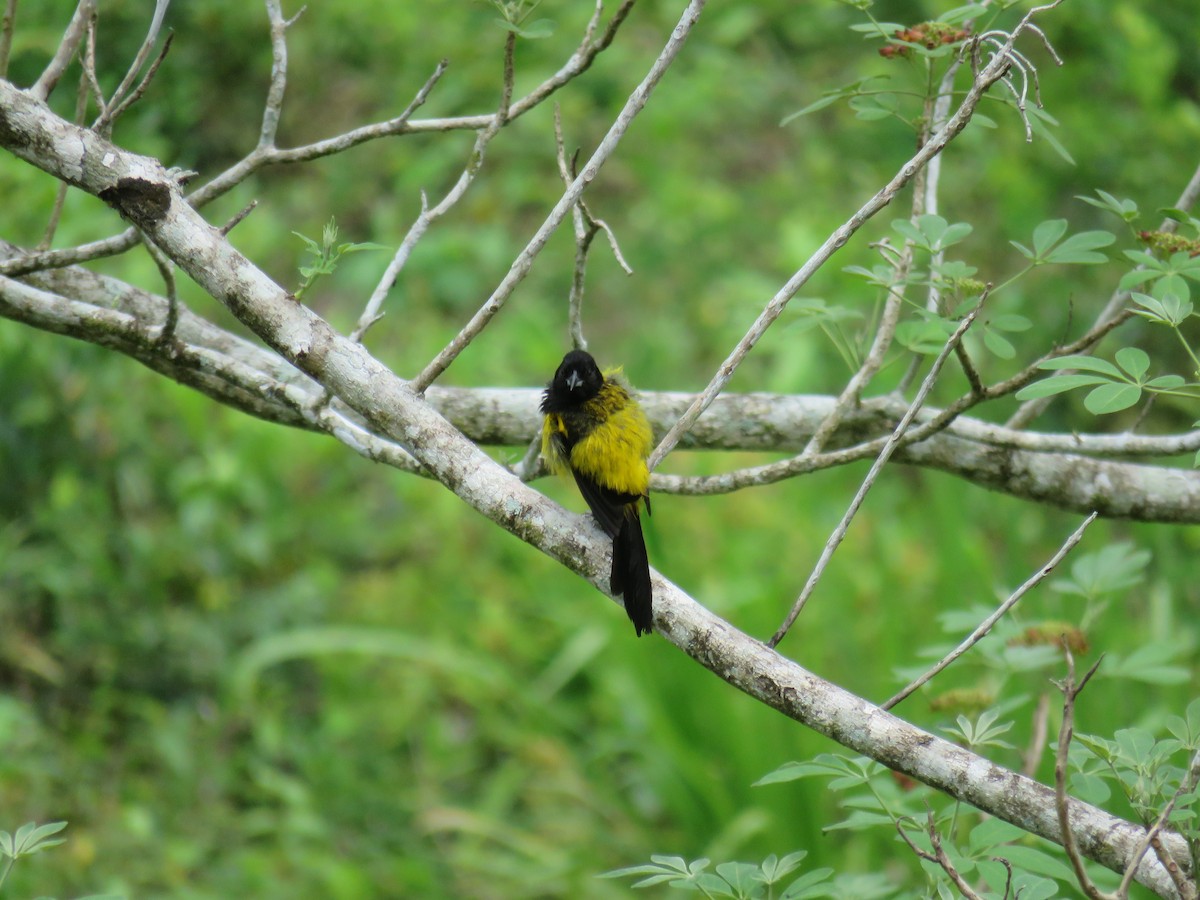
pixel 524 261
pixel 60 195
pixel 121 99
pixel 237 219
pixel 89 64
pixel 72 38
pixel 583 238
pixel 1071 690
pixel 586 227
pixel 852 392
pixel 880 461
pixel 1008 878
pixel 115 112
pixel 428 215
pixel 938 855
pixel 263 156
pixel 6 35
pixel 1037 737
pixel 986 625
pixel 988 76
pixel 166 269
pixel 273 108
pixel 1186 888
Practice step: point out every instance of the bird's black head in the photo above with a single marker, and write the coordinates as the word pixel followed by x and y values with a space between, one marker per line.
pixel 577 380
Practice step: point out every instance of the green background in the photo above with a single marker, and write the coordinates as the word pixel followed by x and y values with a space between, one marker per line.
pixel 241 661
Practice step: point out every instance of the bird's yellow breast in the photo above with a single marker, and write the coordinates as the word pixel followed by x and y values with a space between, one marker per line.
pixel 608 438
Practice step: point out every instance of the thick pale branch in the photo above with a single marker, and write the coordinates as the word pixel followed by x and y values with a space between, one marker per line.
pixel 1052 468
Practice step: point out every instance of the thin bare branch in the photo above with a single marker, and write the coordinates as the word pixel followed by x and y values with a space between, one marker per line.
pixel 524 261
pixel 273 108
pixel 372 311
pixel 138 92
pixel 60 195
pixel 986 625
pixel 7 24
pixel 89 65
pixel 1071 691
pixel 583 238
pixel 237 219
pixel 852 393
pixel 839 533
pixel 938 855
pixel 72 38
pixel 1037 737
pixel 988 76
pixel 121 98
pixel 586 227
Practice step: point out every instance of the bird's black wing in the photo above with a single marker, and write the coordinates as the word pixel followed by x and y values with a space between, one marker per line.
pixel 630 576
pixel 607 505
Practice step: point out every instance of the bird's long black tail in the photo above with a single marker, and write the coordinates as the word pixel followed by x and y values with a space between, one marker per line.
pixel 631 573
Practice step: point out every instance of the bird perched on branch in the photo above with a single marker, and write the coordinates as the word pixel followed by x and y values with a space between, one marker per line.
pixel 594 429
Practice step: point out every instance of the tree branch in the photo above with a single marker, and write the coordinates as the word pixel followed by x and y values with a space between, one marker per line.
pixel 1048 468
pixel 524 261
pixel 987 624
pixel 989 75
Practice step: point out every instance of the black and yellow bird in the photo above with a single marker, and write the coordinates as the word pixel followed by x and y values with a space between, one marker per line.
pixel 595 430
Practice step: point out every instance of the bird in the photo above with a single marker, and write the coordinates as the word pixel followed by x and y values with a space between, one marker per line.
pixel 595 429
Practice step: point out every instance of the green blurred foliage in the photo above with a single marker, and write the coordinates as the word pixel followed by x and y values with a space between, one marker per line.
pixel 243 662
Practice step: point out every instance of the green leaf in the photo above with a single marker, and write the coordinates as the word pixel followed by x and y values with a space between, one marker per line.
pixel 743 877
pixel 827 100
pixel 1079 361
pixel 1038 861
pixel 962 13
pixel 992 833
pixel 1148 260
pixel 1040 122
pixel 775 869
pixel 1124 208
pixel 1010 322
pixel 1172 284
pixel 1137 277
pixel 1134 744
pixel 1057 384
pixel 1079 249
pixel 878 28
pixel 1171 309
pixel 1046 235
pixel 1166 382
pixel 998 345
pixel 1134 361
pixel 31 838
pixel 1111 398
pixel 791 771
pixel 1114 568
pixel 809 885
pixel 1090 788
pixel 1151 663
